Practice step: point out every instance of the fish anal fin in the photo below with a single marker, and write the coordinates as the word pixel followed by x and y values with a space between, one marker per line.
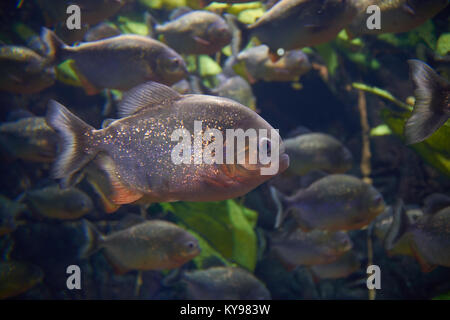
pixel 424 265
pixel 118 268
pixel 120 194
pixel 123 195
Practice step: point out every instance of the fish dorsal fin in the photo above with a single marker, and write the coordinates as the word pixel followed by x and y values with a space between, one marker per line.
pixel 107 122
pixel 435 203
pixel 145 96
pixel 178 12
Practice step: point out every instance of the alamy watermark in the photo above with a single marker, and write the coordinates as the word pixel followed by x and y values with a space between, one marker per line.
pixel 253 147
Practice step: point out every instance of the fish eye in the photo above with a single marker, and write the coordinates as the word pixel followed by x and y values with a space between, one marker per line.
pixel 191 245
pixel 265 145
pixel 174 64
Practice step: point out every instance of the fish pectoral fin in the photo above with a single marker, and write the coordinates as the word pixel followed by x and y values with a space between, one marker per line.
pixel 201 41
pixel 88 87
pixel 217 182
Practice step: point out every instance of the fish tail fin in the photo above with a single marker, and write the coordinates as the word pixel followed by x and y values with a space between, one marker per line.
pixel 74 150
pixel 94 240
pixel 55 47
pixel 279 200
pixel 399 226
pixel 240 34
pixel 431 109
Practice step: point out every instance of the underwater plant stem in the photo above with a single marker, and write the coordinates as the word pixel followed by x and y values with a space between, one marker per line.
pixel 365 153
pixel 381 93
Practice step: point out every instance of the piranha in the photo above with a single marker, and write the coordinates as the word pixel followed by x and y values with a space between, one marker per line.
pixel 120 62
pixel 194 32
pixel 295 24
pixel 18 277
pixel 257 65
pixel 65 204
pixel 9 214
pixel 298 248
pixel 101 31
pixel 224 283
pixel 396 16
pixel 335 202
pixel 428 239
pixel 24 71
pixel 235 88
pixel 148 154
pixel 317 151
pixel 92 12
pixel 432 106
pixel 344 266
pixel 29 138
pixel 150 245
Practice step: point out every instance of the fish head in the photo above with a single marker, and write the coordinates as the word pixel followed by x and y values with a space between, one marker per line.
pixel 374 202
pixel 171 67
pixel 258 152
pixel 341 160
pixel 219 32
pixel 184 246
pixel 296 59
pixel 79 203
pixel 341 242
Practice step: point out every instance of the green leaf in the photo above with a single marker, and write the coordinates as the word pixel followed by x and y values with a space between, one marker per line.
pixel 443 44
pixel 328 53
pixel 208 67
pixel 445 296
pixel 225 225
pixel 381 130
pixel 132 25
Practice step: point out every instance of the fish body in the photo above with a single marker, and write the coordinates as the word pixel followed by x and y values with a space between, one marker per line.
pixel 150 245
pixel 295 24
pixel 317 151
pixel 137 150
pixel 9 212
pixel 120 62
pixel 427 240
pixel 224 283
pixel 196 32
pixel 309 248
pixel 24 71
pixel 101 31
pixel 432 103
pixel 396 15
pixel 238 89
pixel 18 277
pixel 29 139
pixel 335 202
pixel 56 203
pixel 259 66
pixel 341 268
